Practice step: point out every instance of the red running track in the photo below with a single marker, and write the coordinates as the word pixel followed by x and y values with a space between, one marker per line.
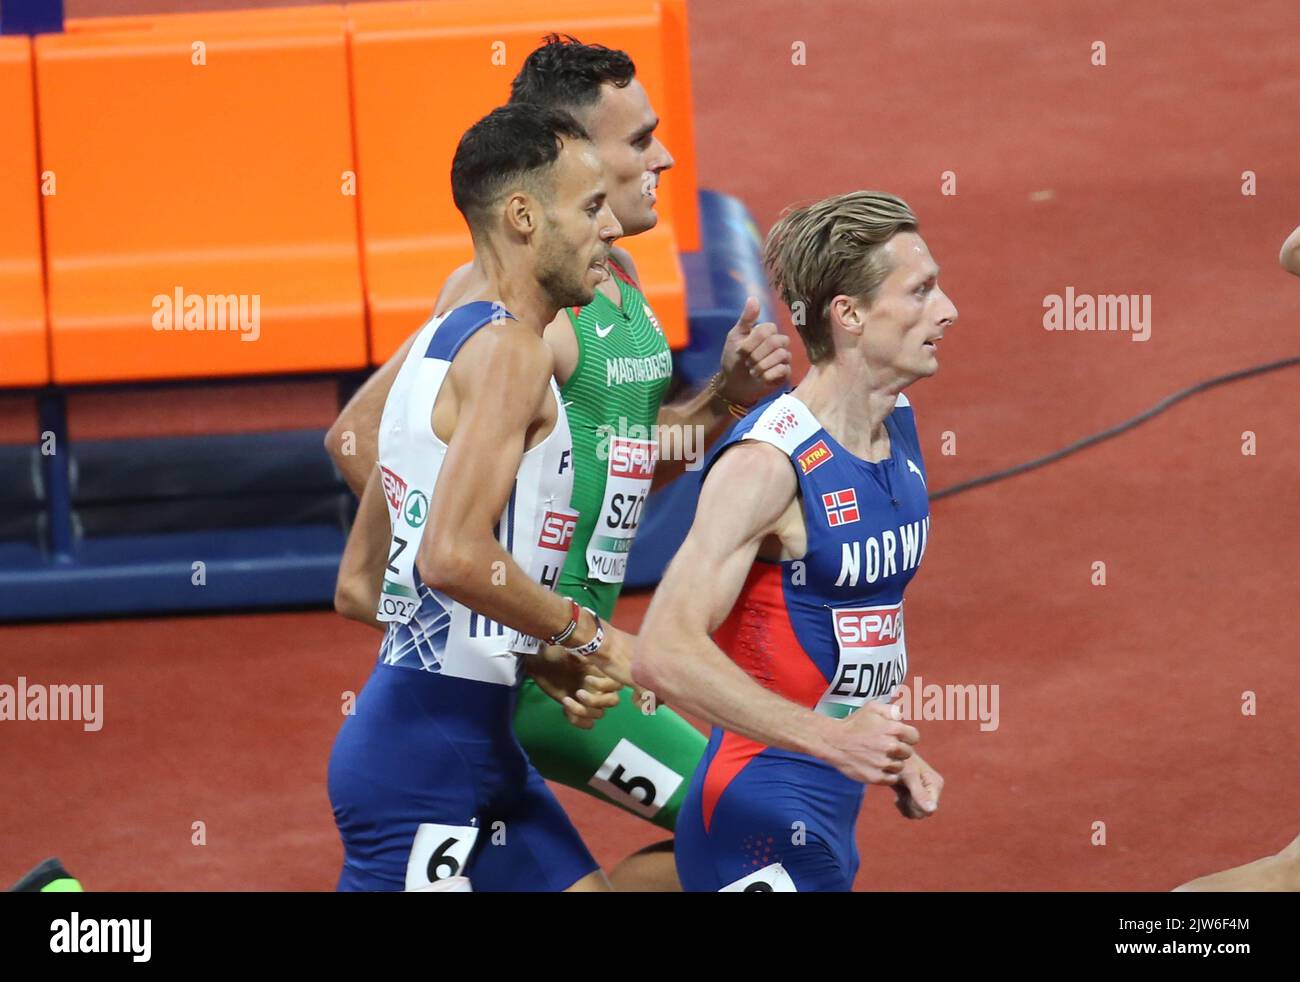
pixel 1119 703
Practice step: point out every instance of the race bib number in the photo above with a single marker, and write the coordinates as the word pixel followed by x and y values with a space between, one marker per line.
pixel 872 658
pixel 631 469
pixel 407 508
pixel 770 879
pixel 439 852
pixel 636 780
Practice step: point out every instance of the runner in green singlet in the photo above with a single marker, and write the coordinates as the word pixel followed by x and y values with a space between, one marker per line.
pixel 613 397
pixel 613 365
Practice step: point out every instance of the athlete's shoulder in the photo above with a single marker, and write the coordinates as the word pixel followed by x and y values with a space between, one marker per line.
pixel 750 483
pixel 482 339
pixel 785 423
pixel 515 344
pixel 772 432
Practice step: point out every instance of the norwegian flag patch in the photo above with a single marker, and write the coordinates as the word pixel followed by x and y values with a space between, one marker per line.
pixel 841 507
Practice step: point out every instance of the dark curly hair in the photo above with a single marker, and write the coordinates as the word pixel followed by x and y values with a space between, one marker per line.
pixel 512 145
pixel 566 74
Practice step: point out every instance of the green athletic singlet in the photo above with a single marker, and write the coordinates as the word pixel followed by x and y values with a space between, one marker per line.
pixel 640 762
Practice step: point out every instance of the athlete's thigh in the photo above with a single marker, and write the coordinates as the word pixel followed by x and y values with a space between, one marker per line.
pixel 529 846
pixel 389 798
pixel 407 789
pixel 640 762
pixel 763 833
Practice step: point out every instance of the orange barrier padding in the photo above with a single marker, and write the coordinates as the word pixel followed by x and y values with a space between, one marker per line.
pixel 253 16
pixel 24 344
pixel 205 222
pixel 422 74
pixel 677 126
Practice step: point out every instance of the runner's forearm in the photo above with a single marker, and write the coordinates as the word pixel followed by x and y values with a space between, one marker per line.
pixel 477 572
pixel 695 676
pixel 361 569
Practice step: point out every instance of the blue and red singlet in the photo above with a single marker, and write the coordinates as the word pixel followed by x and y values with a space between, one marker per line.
pixel 825 631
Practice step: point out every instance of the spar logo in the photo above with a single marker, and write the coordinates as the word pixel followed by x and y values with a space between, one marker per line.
pixel 632 458
pixel 868 627
pixel 815 456
pixel 557 531
pixel 394 488
pixel 417 508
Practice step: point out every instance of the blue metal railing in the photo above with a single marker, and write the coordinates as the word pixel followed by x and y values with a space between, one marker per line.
pixel 31 16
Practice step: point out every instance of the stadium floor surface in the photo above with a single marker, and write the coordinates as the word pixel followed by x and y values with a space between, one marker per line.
pixel 1119 704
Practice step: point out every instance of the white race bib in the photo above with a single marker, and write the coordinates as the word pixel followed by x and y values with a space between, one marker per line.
pixel 439 852
pixel 770 879
pixel 408 508
pixel 872 658
pixel 631 776
pixel 631 470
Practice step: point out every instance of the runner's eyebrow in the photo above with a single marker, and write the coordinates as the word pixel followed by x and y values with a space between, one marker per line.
pixel 644 131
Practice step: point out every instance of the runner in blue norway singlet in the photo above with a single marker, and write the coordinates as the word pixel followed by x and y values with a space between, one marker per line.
pixel 825 631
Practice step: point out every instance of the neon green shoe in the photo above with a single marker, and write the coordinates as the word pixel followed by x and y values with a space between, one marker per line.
pixel 48 877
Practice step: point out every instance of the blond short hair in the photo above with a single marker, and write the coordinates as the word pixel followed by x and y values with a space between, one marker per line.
pixel 832 247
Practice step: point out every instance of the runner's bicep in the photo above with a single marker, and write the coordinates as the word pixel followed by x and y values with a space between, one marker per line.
pixel 499 394
pixel 743 498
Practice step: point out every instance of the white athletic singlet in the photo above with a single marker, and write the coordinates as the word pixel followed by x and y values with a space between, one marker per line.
pixel 427 630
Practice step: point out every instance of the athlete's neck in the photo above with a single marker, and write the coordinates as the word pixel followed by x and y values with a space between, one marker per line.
pixel 851 402
pixel 521 295
pixel 612 291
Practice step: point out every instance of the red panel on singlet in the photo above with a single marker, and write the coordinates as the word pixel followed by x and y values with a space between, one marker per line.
pixel 759 637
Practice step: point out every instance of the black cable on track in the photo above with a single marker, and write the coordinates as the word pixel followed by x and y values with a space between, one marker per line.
pixel 1115 430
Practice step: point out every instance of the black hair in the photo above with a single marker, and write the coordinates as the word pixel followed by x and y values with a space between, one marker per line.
pixel 509 145
pixel 566 74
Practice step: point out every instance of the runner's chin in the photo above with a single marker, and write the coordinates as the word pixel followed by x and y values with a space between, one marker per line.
pixel 929 362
